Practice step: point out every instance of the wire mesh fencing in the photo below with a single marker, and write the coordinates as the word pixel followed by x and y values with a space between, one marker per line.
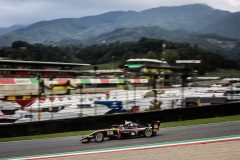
pixel 64 102
pixel 49 107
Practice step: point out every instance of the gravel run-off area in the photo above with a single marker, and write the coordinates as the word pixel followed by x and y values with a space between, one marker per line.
pixel 212 151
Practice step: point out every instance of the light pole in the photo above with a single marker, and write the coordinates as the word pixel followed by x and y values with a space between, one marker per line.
pixel 231 82
pixel 154 85
pixel 164 46
pixel 80 99
pixel 183 82
pixel 163 79
pixel 185 73
pixel 40 83
pixel 95 68
pixel 113 57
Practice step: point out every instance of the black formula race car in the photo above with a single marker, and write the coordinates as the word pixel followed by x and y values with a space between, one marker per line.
pixel 127 130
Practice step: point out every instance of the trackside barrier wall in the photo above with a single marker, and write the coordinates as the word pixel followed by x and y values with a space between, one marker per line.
pixel 104 121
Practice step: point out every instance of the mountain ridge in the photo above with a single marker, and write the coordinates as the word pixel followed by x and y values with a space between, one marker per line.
pixel 5 30
pixel 192 18
pixel 213 42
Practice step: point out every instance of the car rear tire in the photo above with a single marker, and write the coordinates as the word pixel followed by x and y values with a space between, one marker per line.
pixel 154 133
pixel 99 137
pixel 119 135
pixel 148 132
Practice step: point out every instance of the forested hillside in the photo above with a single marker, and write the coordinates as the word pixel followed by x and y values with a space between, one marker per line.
pixel 118 52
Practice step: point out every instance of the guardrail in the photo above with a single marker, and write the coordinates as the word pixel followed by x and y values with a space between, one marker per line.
pixel 103 121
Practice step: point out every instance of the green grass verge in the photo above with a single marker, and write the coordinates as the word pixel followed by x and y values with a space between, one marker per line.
pixel 228 73
pixel 163 125
pixel 201 121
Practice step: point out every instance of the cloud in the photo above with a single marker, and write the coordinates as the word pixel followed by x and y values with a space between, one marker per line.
pixel 30 11
pixel 234 3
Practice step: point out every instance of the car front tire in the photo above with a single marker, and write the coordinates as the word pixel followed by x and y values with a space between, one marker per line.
pixel 99 137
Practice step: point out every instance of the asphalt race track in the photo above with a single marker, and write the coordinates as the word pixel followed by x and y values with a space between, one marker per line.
pixel 69 144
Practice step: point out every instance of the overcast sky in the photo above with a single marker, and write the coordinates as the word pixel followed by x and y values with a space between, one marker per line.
pixel 29 11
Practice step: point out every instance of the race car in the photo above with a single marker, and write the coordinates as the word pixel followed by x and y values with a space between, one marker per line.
pixel 127 130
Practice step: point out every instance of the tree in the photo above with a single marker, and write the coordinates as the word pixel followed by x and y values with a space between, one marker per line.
pixel 20 44
pixel 151 55
pixel 171 56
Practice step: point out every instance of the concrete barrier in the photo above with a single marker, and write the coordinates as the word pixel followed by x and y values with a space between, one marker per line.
pixel 98 122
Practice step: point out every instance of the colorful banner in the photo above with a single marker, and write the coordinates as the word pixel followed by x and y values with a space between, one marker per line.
pixel 64 81
pixel 18 81
pixel 109 81
pixel 58 81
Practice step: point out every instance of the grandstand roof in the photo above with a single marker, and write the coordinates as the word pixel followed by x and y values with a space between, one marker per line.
pixel 6 61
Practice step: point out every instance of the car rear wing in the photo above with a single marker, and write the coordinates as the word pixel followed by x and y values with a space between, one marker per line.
pixel 155 125
pixel 115 126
